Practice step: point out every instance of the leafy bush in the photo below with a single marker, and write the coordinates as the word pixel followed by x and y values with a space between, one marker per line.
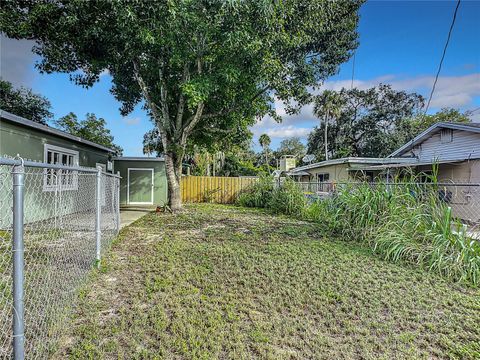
pixel 258 194
pixel 287 199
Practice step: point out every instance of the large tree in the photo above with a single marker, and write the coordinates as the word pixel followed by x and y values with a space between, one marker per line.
pixel 25 103
pixel 291 146
pixel 367 122
pixel 91 128
pixel 200 68
pixel 328 105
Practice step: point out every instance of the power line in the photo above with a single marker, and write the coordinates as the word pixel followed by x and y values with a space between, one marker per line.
pixel 443 55
pixel 471 112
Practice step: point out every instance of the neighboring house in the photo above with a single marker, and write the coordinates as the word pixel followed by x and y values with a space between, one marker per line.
pixel 143 182
pixel 340 170
pixel 451 151
pixel 454 147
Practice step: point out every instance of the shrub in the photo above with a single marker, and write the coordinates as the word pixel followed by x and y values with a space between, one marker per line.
pixel 258 194
pixel 287 199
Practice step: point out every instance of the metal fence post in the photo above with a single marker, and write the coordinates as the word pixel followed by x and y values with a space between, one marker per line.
pixel 98 215
pixel 117 181
pixel 18 262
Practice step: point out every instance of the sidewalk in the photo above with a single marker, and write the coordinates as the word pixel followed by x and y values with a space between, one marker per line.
pixel 129 215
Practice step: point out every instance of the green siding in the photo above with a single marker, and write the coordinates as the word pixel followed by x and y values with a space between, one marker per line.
pixel 39 203
pixel 159 179
pixel 29 144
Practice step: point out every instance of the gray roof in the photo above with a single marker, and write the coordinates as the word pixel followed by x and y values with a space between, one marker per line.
pixel 49 130
pixel 350 160
pixel 472 127
pixel 138 158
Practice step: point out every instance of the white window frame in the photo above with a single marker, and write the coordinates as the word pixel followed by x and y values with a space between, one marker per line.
pixel 47 172
pixel 128 186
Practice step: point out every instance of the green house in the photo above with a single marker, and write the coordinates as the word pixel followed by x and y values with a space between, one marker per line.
pixel 37 142
pixel 143 182
pixel 143 179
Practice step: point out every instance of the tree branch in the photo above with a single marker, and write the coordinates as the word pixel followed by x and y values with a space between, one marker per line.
pixel 181 101
pixel 233 108
pixel 161 122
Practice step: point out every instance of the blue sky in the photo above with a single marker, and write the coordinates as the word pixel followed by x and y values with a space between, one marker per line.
pixel 400 43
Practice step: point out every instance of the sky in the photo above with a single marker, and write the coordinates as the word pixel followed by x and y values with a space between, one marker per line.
pixel 401 43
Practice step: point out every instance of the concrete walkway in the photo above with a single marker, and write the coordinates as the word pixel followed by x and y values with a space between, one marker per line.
pixel 128 216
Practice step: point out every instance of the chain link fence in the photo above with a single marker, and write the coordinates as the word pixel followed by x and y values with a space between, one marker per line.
pixel 462 197
pixel 55 223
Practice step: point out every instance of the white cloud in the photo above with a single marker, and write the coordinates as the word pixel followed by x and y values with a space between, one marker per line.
pixel 287 131
pixel 105 72
pixel 451 91
pixel 131 121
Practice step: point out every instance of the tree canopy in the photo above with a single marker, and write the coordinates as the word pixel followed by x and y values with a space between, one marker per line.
pixel 414 126
pixel 370 123
pixel 291 146
pixel 25 103
pixel 91 128
pixel 202 69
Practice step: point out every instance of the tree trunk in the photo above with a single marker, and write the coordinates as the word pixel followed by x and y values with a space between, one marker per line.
pixel 326 137
pixel 173 169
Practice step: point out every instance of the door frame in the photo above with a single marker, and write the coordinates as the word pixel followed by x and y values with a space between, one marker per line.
pixel 128 186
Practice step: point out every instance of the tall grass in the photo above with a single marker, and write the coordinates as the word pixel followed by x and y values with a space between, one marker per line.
pixel 400 222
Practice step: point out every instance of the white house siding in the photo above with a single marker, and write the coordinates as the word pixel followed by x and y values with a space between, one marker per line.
pixel 336 172
pixel 464 145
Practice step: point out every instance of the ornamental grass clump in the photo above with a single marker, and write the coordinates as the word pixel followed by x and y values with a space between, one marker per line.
pixel 404 222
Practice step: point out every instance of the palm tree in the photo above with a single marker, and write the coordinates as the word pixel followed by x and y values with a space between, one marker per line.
pixel 265 142
pixel 329 105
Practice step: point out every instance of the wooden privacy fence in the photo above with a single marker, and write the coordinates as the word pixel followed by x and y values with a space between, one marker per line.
pixel 217 189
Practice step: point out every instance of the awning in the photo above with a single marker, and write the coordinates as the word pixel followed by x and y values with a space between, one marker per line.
pixel 298 173
pixel 402 165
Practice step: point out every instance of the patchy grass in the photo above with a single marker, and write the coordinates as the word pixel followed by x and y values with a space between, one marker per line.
pixel 234 283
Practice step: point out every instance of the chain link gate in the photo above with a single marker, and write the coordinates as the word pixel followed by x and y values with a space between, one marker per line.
pixel 55 224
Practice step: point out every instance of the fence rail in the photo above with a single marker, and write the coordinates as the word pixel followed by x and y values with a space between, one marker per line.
pixel 55 224
pixel 217 189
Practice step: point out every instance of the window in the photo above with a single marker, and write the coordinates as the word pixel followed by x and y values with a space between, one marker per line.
pixel 446 136
pixel 60 179
pixel 323 177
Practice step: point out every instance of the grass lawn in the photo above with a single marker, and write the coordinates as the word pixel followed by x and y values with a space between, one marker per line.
pixel 232 283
